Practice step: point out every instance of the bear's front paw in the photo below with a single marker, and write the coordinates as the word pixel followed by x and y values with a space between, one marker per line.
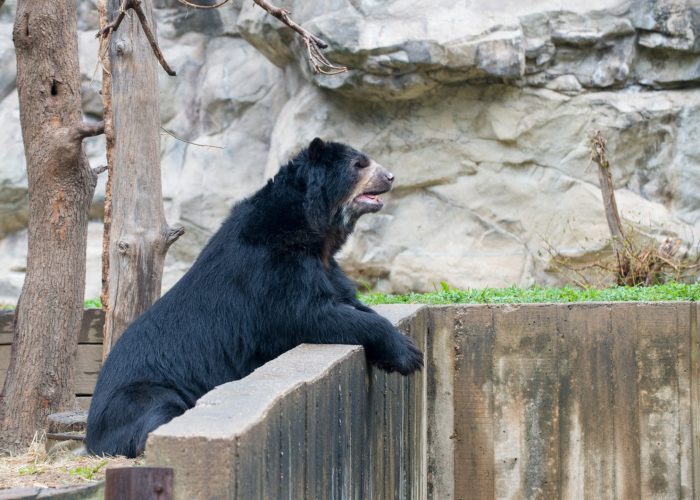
pixel 405 357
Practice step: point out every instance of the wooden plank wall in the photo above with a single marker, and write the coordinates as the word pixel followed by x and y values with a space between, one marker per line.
pixel 584 401
pixel 89 352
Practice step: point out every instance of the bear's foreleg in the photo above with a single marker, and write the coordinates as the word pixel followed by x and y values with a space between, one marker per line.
pixel 386 346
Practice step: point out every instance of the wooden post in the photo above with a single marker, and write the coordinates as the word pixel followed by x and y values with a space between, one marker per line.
pixel 137 235
pixel 139 483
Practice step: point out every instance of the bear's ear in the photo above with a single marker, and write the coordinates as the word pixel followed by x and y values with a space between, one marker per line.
pixel 315 149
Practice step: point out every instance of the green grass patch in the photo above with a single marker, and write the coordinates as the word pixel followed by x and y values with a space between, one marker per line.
pixel 93 303
pixel 515 295
pixel 89 304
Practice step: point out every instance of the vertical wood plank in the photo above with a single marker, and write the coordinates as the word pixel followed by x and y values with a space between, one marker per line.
pixel 406 438
pixel 359 447
pixel 139 483
pixel 421 420
pixel 286 444
pixel 415 417
pixel 658 401
pixel 332 440
pixel 322 438
pixel 272 482
pixel 376 429
pixel 250 459
pixel 410 442
pixel 357 456
pixel 525 392
pixel 440 354
pixel 293 444
pixel 626 401
pixel 345 414
pixel 392 430
pixel 587 436
pixel 695 395
pixel 312 425
pixel 473 404
pixel 685 426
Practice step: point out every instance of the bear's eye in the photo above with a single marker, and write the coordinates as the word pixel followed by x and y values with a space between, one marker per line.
pixel 361 163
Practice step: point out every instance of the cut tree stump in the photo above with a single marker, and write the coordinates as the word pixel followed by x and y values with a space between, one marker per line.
pixel 66 426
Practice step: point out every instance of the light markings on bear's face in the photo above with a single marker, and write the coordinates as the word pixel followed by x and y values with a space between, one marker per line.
pixel 373 180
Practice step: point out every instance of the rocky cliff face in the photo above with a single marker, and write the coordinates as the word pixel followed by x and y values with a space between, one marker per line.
pixel 482 109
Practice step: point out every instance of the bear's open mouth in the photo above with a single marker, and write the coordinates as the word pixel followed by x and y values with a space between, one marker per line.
pixel 370 199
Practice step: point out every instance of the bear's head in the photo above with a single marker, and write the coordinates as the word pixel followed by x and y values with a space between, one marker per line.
pixel 342 184
pixel 314 200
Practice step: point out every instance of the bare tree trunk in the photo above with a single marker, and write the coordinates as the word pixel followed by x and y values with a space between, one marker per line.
pixel 61 185
pixel 612 215
pixel 139 236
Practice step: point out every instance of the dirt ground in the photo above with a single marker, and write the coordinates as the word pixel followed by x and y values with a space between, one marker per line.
pixel 59 468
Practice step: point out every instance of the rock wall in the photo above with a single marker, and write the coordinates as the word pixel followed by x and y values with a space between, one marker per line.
pixel 482 109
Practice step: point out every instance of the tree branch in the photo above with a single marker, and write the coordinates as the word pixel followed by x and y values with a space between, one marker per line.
pixel 314 45
pixel 283 15
pixel 100 169
pixel 151 37
pixel 114 25
pixel 173 234
pixel 135 5
pixel 84 129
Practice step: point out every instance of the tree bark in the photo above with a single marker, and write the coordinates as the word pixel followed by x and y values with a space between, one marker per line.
pixel 61 185
pixel 139 236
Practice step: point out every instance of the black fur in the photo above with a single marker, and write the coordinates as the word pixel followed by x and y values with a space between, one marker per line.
pixel 265 283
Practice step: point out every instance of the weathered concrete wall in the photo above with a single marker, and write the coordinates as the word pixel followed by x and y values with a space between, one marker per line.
pixel 517 401
pixel 565 401
pixel 317 422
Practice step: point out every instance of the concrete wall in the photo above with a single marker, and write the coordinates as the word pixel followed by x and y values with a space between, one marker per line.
pixel 577 401
pixel 317 422
pixel 516 401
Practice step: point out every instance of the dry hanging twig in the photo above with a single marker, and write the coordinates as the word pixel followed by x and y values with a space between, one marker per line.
pixel 314 44
pixel 197 6
pixel 135 5
pixel 171 134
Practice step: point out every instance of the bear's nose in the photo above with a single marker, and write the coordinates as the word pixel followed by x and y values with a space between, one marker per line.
pixel 389 176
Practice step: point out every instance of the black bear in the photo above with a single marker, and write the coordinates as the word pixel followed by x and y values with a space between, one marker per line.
pixel 266 282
